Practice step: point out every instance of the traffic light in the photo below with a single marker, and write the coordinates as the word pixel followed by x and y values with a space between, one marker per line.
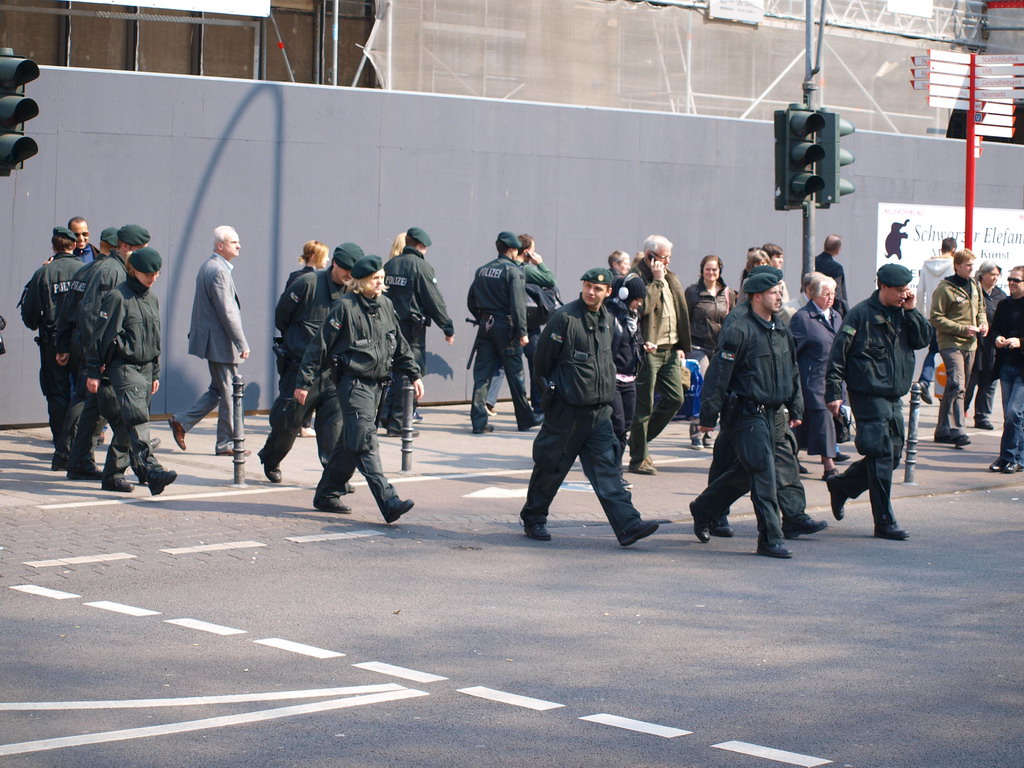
pixel 796 152
pixel 835 158
pixel 15 109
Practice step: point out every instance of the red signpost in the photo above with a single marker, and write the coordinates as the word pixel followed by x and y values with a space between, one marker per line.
pixel 982 86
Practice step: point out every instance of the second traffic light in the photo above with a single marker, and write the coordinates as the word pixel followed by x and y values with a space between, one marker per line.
pixel 15 109
pixel 834 159
pixel 796 153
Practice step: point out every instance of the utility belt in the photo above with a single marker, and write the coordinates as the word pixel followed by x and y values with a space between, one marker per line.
pixel 338 371
pixel 737 406
pixel 488 320
pixel 47 335
pixel 285 362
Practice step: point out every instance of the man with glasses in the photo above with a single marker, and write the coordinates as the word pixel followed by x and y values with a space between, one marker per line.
pixel 83 248
pixel 1008 329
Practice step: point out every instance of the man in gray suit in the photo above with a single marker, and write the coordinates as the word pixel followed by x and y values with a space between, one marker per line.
pixel 216 336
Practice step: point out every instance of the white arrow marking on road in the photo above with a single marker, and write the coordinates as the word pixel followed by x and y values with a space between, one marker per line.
pixel 755 750
pixel 498 493
pixel 510 698
pixel 306 650
pixel 402 672
pixel 80 560
pixel 205 626
pixel 130 610
pixel 56 594
pixel 636 725
pixel 196 701
pixel 211 722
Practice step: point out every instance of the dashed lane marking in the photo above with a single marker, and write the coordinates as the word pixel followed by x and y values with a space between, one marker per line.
pixel 207 723
pixel 153 499
pixel 510 698
pixel 755 750
pixel 205 626
pixel 130 610
pixel 402 672
pixel 213 547
pixel 56 594
pixel 636 725
pixel 194 701
pixel 306 650
pixel 333 536
pixel 80 560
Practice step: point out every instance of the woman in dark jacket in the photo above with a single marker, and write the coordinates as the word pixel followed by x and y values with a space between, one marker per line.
pixel 814 328
pixel 709 300
pixel 982 375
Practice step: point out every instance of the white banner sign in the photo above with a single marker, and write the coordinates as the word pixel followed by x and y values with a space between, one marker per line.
pixel 232 7
pixel 909 234
pixel 748 11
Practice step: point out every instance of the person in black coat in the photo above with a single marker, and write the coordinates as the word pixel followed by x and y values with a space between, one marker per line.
pixel 814 327
pixel 983 376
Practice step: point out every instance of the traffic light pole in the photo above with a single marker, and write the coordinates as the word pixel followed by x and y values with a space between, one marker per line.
pixel 811 101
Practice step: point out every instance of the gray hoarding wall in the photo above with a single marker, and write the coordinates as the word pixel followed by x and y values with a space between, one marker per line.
pixel 285 164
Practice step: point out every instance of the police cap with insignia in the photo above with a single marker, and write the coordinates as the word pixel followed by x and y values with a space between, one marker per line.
pixel 509 240
pixel 133 234
pixel 419 235
pixel 109 236
pixel 366 266
pixel 146 260
pixel 761 282
pixel 347 254
pixel 599 275
pixel 64 232
pixel 895 275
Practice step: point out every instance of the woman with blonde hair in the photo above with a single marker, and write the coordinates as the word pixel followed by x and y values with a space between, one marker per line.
pixel 397 245
pixel 314 257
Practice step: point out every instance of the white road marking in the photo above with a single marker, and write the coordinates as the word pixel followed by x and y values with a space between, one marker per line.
pixel 205 626
pixel 307 650
pixel 498 493
pixel 56 594
pixel 577 487
pixel 151 499
pixel 194 701
pixel 334 536
pixel 510 698
pixel 755 750
pixel 80 560
pixel 637 725
pixel 405 674
pixel 213 547
pixel 207 723
pixel 131 610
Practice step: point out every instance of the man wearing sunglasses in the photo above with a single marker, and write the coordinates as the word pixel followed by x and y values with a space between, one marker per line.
pixel 1008 328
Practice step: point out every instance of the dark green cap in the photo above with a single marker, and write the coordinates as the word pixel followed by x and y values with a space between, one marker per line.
pixel 366 266
pixel 64 232
pixel 509 240
pixel 347 254
pixel 146 260
pixel 419 234
pixel 133 234
pixel 895 275
pixel 760 282
pixel 109 236
pixel 600 275
pixel 767 269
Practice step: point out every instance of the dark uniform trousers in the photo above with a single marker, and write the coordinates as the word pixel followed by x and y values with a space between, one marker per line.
pixel 584 431
pixel 125 404
pixel 287 417
pixel 752 436
pixel 87 433
pixel 880 442
pixel 55 382
pixel 357 449
pixel 394 408
pixel 75 370
pixel 734 483
pixel 495 349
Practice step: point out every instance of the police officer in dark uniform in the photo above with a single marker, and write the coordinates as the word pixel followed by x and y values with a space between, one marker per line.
pixel 874 354
pixel 412 288
pixel 360 341
pixel 125 346
pixel 574 357
pixel 38 305
pixel 300 312
pixel 752 377
pixel 735 480
pixel 497 299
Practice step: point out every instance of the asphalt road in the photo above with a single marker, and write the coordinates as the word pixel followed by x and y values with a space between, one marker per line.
pixel 858 651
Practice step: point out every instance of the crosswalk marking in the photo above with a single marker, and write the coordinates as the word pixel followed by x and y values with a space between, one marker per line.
pixel 306 650
pixel 636 725
pixel 510 698
pixel 205 626
pixel 130 610
pixel 402 672
pixel 79 560
pixel 56 594
pixel 333 536
pixel 756 750
pixel 213 547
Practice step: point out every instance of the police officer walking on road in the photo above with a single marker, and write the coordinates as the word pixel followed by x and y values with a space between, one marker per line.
pixel 360 341
pixel 574 357
pixel 874 354
pixel 497 299
pixel 752 377
pixel 300 312
pixel 412 288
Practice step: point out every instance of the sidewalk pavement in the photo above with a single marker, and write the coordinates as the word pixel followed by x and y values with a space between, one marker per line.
pixel 447 452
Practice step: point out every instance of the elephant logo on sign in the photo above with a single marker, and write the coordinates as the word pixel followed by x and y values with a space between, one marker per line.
pixel 894 242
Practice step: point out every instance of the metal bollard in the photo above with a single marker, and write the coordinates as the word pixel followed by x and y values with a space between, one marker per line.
pixel 915 414
pixel 408 404
pixel 238 432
